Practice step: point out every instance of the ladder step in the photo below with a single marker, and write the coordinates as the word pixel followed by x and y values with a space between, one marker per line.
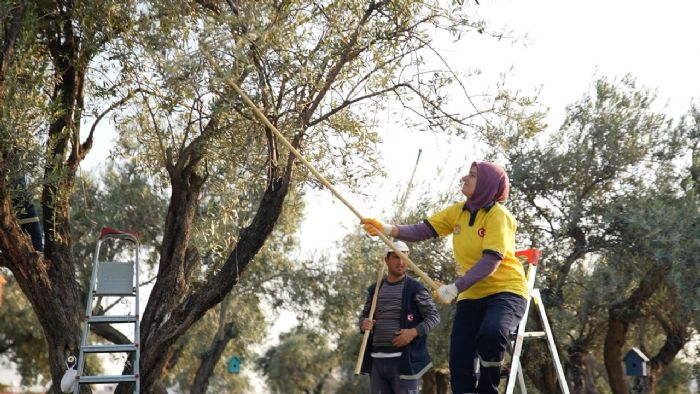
pixel 109 348
pixel 534 334
pixel 112 319
pixel 106 379
pixel 131 293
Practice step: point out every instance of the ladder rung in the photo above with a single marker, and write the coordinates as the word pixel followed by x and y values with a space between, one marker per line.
pixel 534 334
pixel 131 293
pixel 109 348
pixel 106 379
pixel 111 319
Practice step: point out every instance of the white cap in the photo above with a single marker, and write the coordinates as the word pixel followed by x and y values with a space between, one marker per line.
pixel 401 246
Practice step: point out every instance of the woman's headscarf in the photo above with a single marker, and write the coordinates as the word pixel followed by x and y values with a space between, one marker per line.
pixel 491 185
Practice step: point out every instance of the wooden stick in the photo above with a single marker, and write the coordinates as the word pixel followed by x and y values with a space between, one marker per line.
pixel 380 273
pixel 321 179
pixel 372 309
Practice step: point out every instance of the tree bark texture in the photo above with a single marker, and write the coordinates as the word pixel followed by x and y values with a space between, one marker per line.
pixel 615 339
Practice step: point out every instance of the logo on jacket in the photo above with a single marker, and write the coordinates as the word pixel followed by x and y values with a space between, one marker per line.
pixel 410 317
pixel 481 232
pixel 456 229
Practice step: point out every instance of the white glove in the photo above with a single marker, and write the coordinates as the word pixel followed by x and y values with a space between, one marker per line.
pixel 446 293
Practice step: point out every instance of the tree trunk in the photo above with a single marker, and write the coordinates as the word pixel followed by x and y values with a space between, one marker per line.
pixel 442 380
pixel 436 381
pixel 208 362
pixel 579 369
pixel 224 334
pixel 428 384
pixel 614 341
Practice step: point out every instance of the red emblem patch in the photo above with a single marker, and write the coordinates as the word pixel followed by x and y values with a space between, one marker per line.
pixel 481 232
pixel 410 317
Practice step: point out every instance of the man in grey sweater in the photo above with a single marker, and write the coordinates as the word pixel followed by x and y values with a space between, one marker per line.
pixel 397 355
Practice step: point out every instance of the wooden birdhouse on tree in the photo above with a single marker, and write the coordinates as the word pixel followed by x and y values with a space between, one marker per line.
pixel 234 364
pixel 3 281
pixel 636 363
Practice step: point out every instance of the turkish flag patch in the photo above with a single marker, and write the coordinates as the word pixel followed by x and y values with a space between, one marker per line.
pixel 481 232
pixel 410 317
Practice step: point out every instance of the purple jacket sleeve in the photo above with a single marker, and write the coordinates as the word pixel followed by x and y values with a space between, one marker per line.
pixel 487 265
pixel 416 232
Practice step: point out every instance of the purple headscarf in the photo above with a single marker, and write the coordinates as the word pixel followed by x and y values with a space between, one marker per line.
pixel 491 185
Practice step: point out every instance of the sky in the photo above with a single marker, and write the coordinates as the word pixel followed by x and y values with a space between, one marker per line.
pixel 567 45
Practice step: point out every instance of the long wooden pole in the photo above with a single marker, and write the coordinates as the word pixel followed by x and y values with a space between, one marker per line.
pixel 380 273
pixel 322 179
pixel 402 206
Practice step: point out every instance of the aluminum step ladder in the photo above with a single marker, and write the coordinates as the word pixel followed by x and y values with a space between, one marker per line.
pixel 112 279
pixel 532 257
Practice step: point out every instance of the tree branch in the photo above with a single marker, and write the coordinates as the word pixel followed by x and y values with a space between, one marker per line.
pixel 87 145
pixel 349 102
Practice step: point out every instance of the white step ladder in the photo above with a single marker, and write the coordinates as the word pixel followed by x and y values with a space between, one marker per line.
pixel 532 256
pixel 112 279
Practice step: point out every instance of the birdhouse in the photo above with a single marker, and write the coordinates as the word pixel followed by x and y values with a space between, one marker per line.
pixel 234 364
pixel 636 363
pixel 3 281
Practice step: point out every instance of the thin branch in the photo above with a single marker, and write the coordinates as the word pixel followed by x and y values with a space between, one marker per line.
pixel 347 103
pixel 165 155
pixel 439 109
pixel 87 145
pixel 459 82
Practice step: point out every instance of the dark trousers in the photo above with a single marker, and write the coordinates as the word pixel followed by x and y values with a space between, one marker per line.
pixel 385 378
pixel 32 226
pixel 481 329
